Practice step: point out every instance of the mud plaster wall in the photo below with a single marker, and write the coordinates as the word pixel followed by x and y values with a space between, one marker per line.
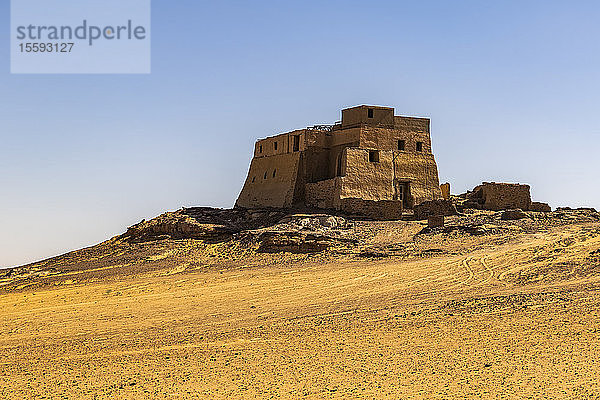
pixel 367 180
pixel 411 123
pixel 271 191
pixel 421 171
pixel 316 164
pixel 349 136
pixel 324 194
pixel 375 180
pixel 387 139
pixel 359 115
pixel 284 144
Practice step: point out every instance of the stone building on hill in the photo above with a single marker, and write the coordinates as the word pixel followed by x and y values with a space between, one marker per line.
pixel 371 163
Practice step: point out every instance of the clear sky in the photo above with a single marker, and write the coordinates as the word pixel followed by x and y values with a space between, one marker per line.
pixel 512 89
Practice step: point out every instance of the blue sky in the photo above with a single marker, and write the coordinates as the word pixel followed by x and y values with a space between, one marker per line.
pixel 512 89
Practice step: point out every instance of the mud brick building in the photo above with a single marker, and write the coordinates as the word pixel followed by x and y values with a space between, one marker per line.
pixel 370 163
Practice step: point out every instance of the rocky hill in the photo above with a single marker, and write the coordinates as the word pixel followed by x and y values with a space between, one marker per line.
pixel 207 238
pixel 207 303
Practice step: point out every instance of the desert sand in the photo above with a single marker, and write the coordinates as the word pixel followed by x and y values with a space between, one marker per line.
pixel 504 309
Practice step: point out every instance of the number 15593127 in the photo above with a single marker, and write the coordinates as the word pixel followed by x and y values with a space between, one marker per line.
pixel 46 47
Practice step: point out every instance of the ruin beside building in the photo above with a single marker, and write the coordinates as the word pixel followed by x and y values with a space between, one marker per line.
pixel 503 196
pixel 371 163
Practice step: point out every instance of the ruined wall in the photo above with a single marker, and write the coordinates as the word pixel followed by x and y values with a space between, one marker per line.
pixel 434 207
pixel 502 196
pixel 262 189
pixel 445 189
pixel 383 209
pixel 540 207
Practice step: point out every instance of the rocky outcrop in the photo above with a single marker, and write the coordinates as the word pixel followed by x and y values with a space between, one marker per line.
pixel 210 224
pixel 176 225
pixel 271 230
pixel 303 233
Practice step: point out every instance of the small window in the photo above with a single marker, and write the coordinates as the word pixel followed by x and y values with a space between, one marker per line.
pixel 401 145
pixel 265 176
pixel 274 171
pixel 419 146
pixel 296 143
pixel 253 179
pixel 373 156
pixel 370 113
pixel 260 148
pixel 275 145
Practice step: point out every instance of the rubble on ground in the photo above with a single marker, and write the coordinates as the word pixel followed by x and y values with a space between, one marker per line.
pixel 511 215
pixel 540 207
pixel 272 230
pixel 434 207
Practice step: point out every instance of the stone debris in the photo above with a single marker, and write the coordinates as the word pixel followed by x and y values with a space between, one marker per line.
pixel 434 207
pixel 297 242
pixel 435 221
pixel 303 233
pixel 276 230
pixel 539 207
pixel 314 222
pixel 510 215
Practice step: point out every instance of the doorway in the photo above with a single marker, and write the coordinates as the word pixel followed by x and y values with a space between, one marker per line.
pixel 403 193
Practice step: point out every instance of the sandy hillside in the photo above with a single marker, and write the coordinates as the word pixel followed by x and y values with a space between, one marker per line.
pixel 312 307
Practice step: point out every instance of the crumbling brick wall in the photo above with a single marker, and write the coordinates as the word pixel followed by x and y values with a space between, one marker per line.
pixel 382 209
pixel 501 196
pixel 434 207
